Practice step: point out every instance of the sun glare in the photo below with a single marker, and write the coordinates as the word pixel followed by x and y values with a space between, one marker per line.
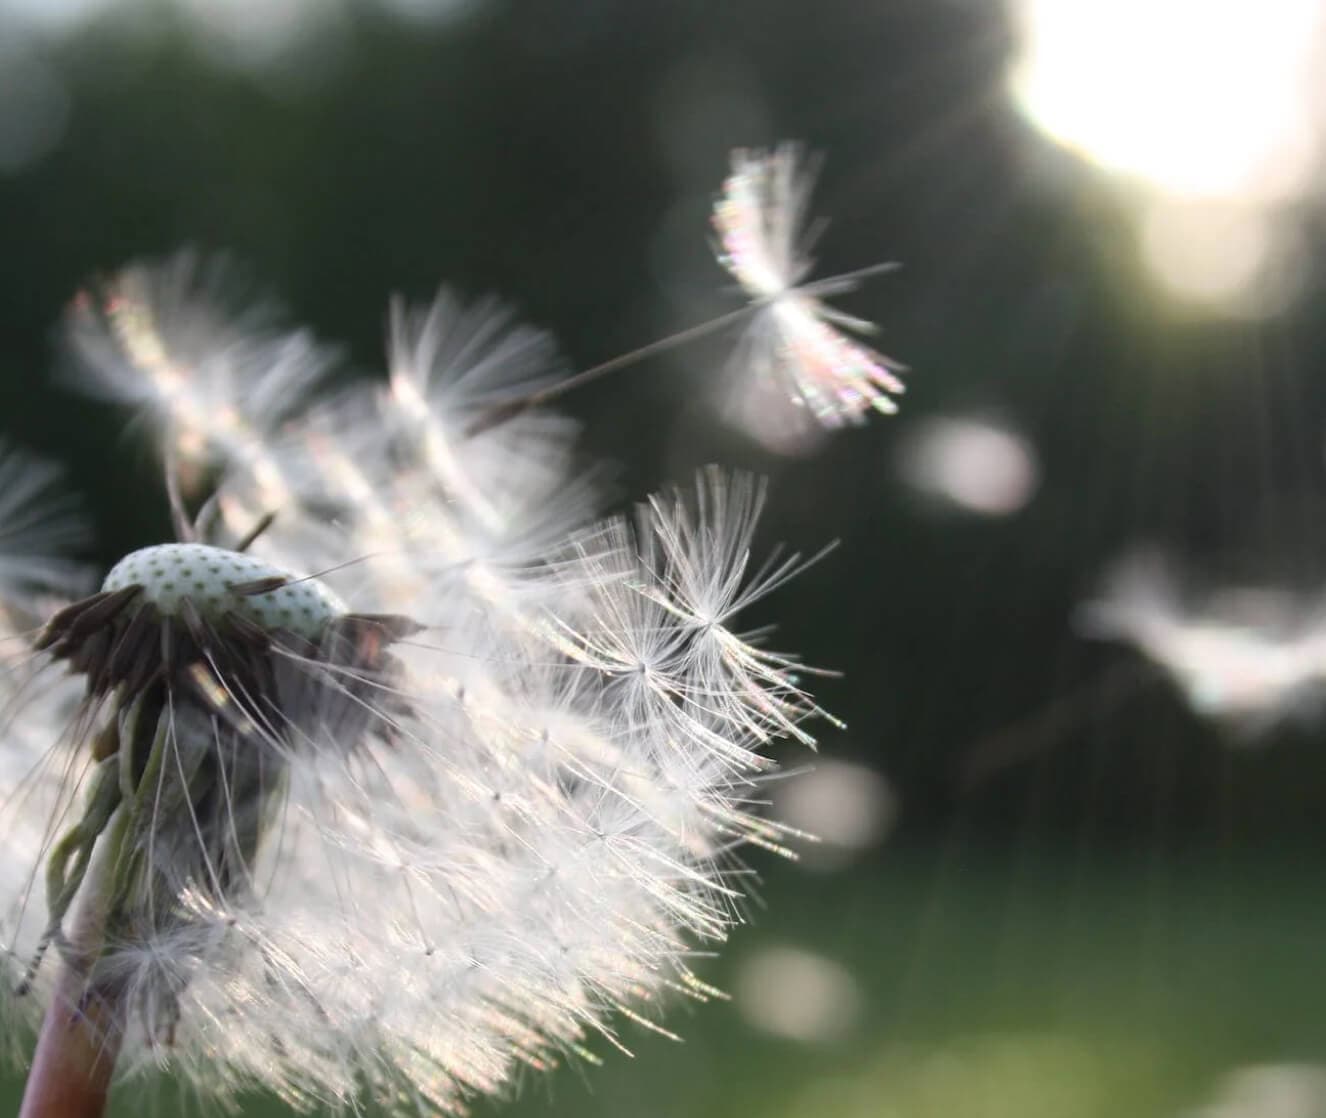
pixel 1211 98
pixel 1217 103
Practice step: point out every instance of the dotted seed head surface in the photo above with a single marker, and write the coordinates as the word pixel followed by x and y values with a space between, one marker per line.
pixel 207 576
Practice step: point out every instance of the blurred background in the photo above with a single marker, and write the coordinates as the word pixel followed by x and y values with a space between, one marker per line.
pixel 1072 832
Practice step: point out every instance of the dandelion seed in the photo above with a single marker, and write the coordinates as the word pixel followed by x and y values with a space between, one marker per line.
pixel 428 777
pixel 794 347
pixel 795 343
pixel 39 526
pixel 215 373
pixel 1247 657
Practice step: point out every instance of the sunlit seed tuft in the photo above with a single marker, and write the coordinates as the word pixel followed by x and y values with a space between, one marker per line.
pixel 796 344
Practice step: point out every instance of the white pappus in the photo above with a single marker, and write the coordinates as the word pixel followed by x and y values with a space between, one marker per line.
pixel 795 347
pixel 399 770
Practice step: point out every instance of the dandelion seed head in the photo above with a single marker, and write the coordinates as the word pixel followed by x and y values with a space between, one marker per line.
pixel 457 805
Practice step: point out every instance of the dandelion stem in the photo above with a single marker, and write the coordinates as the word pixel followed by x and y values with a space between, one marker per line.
pixel 80 1036
pixel 71 1069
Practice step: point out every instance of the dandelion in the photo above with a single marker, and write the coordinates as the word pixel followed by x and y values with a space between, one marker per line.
pixel 185 343
pixel 794 345
pixel 399 770
pixel 1246 657
pixel 40 526
pixel 794 348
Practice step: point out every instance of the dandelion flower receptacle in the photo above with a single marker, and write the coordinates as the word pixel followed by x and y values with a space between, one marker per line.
pixel 401 768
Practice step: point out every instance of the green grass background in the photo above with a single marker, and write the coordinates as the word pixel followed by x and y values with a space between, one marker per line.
pixel 1011 983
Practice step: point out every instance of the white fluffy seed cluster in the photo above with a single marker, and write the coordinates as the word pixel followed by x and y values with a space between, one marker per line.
pixel 217 580
pixel 544 816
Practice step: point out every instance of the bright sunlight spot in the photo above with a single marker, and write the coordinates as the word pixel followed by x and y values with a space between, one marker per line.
pixel 1200 97
pixel 1217 104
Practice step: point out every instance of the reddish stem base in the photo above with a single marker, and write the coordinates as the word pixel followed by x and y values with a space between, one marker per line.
pixel 75 1056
